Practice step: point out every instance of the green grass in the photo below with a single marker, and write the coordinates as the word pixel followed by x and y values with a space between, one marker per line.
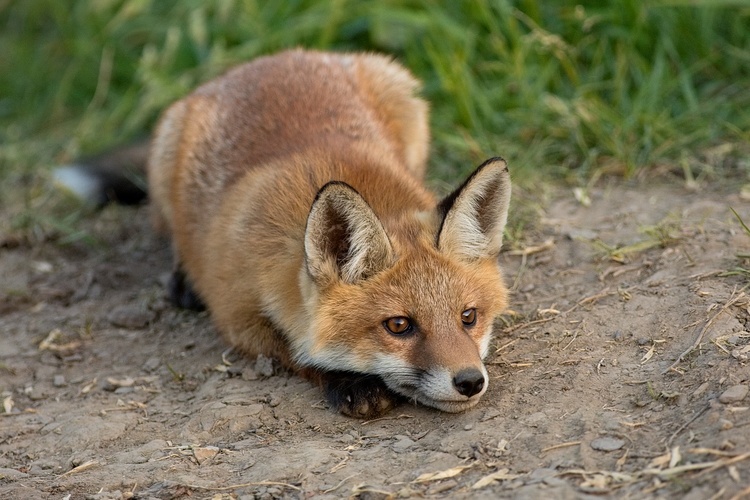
pixel 563 88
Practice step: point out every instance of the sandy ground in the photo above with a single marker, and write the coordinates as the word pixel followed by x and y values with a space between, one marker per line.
pixel 109 392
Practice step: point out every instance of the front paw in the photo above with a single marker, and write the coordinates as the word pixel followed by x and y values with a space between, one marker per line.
pixel 357 395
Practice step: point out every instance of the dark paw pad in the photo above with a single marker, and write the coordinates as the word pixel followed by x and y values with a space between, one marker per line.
pixel 359 396
pixel 181 293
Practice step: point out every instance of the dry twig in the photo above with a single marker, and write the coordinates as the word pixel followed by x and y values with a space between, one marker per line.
pixel 732 300
pixel 561 445
pixel 241 485
pixel 403 415
pixel 686 424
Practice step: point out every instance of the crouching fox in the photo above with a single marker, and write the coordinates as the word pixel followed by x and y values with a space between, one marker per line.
pixel 291 188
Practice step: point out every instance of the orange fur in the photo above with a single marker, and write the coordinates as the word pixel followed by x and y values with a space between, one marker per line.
pixel 235 168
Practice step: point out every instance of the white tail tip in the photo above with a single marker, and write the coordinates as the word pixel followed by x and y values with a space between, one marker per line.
pixel 74 179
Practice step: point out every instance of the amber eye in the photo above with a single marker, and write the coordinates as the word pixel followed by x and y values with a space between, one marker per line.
pixel 399 325
pixel 469 317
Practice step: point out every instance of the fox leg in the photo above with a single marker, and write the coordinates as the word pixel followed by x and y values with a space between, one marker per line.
pixel 181 292
pixel 356 394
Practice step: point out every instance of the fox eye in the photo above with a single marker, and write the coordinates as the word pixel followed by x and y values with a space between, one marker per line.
pixel 469 317
pixel 399 325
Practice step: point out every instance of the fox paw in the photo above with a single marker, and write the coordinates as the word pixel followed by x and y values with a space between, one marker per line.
pixel 357 395
pixel 181 292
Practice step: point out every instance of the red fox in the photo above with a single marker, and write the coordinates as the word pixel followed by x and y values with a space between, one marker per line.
pixel 291 188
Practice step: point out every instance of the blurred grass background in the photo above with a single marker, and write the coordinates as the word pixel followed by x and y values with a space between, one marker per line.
pixel 562 89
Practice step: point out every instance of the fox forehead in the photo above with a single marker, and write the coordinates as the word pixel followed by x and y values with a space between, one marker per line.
pixel 423 277
pixel 423 284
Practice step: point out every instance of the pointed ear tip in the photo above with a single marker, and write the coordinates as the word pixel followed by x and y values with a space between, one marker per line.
pixel 334 188
pixel 497 162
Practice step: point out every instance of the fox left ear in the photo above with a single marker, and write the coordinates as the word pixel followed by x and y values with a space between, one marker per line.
pixel 474 215
pixel 344 239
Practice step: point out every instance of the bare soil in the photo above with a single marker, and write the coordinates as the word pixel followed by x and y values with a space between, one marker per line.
pixel 108 392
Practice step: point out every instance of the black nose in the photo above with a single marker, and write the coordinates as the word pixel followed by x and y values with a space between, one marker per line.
pixel 469 381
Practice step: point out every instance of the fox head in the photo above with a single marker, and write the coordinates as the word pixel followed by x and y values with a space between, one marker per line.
pixel 413 299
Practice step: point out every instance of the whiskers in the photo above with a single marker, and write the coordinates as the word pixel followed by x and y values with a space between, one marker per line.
pixel 404 380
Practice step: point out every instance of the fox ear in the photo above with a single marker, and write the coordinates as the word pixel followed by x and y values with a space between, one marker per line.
pixel 474 215
pixel 344 238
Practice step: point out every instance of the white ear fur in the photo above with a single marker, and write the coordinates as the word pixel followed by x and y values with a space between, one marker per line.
pixel 475 214
pixel 344 238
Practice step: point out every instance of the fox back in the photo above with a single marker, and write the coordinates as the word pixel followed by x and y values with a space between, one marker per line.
pixel 292 189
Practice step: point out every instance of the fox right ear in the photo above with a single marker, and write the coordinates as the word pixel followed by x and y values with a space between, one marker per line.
pixel 344 238
pixel 475 214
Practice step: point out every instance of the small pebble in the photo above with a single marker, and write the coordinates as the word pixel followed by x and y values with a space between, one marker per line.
pixel 11 474
pixel 37 395
pixel 151 364
pixel 35 470
pixel 542 474
pixel 490 414
pixel 131 317
pixel 734 394
pixel 701 389
pixel 203 454
pixel 618 336
pixel 468 427
pixel 59 381
pixel 607 444
pixel 345 438
pixel 725 424
pixel 538 419
pixel 402 444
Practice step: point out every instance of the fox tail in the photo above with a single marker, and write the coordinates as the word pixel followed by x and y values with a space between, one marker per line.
pixel 117 175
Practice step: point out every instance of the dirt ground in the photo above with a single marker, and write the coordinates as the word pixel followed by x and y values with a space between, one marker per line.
pixel 110 393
